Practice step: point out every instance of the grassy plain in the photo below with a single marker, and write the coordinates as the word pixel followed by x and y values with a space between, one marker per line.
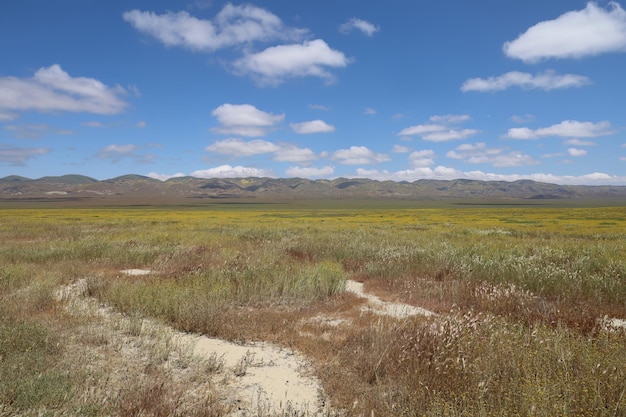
pixel 520 292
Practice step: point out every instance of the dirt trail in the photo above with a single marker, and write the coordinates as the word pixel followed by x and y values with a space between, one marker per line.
pixel 378 306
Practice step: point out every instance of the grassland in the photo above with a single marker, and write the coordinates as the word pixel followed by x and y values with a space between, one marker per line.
pixel 520 294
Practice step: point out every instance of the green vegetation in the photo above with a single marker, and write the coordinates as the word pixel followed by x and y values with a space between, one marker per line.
pixel 520 295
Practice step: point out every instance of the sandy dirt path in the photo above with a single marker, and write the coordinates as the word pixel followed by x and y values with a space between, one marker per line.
pixel 378 306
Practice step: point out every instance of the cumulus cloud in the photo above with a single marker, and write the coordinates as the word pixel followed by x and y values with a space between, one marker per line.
pixel 547 81
pixel 441 129
pixel 241 26
pixel 359 155
pixel 450 134
pixel 244 120
pixel 423 158
pixel 16 156
pixel 291 153
pixel 232 26
pixel 282 152
pixel 277 63
pixel 238 147
pixel 52 89
pixel 576 152
pixel 567 128
pixel 310 172
pixel 450 118
pixel 480 153
pixel 358 24
pixel 313 126
pixel 227 171
pixel 575 34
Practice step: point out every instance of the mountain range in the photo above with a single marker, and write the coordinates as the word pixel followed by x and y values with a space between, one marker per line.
pixel 78 187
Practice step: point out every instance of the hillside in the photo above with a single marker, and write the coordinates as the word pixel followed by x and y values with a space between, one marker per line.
pixel 73 187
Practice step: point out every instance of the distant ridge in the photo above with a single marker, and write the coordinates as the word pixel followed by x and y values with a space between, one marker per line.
pixel 70 179
pixel 15 187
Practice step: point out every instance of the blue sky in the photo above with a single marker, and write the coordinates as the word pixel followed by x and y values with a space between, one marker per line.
pixel 400 90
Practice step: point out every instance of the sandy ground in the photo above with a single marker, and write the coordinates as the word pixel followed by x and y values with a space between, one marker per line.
pixel 378 306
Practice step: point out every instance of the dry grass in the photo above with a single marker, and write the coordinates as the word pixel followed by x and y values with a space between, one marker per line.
pixel 519 294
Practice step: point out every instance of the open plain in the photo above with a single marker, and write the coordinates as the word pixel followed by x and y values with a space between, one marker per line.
pixel 376 308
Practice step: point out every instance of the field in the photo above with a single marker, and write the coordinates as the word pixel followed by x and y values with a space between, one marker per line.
pixel 524 298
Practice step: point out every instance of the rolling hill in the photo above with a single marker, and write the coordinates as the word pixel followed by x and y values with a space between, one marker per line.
pixel 68 187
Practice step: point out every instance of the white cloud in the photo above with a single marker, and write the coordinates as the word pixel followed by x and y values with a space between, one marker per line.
pixel 283 152
pixel 227 171
pixel 291 153
pixel 16 156
pixel 359 155
pixel 51 90
pixel 423 158
pixel 576 152
pixel 575 34
pixel 232 26
pixel 421 129
pixel 479 153
pixel 244 120
pixel 238 147
pixel 450 118
pixel 355 23
pixel 369 111
pixel 567 128
pixel 440 130
pixel 275 64
pixel 548 80
pixel 309 172
pixel 141 124
pixel 164 177
pixel 448 135
pixel 313 126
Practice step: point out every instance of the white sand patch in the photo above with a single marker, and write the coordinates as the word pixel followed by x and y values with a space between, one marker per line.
pixel 378 306
pixel 136 272
pixel 263 376
pixel 613 324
